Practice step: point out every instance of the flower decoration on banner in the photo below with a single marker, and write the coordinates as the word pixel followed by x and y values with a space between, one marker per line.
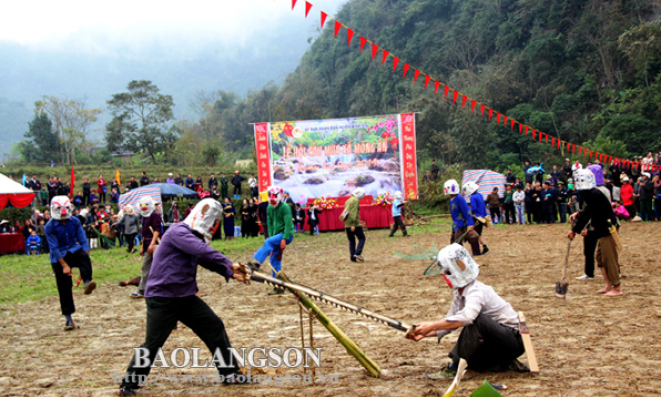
pixel 397 62
pixel 384 199
pixel 325 203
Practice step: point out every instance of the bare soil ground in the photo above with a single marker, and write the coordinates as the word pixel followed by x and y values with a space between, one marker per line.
pixel 587 344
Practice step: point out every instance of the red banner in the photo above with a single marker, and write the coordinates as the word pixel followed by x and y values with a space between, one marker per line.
pixel 263 155
pixel 409 167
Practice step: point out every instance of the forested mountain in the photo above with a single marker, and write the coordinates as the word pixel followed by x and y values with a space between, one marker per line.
pixel 585 71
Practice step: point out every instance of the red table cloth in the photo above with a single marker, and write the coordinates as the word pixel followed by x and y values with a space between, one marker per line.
pixel 374 216
pixel 10 242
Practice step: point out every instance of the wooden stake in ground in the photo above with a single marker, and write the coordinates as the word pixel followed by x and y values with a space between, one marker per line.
pixel 353 349
pixel 561 286
pixel 527 343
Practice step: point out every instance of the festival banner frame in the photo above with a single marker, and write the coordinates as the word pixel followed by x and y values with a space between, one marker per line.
pixel 331 157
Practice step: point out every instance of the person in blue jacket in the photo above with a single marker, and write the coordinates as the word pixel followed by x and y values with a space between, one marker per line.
pixel 397 206
pixel 462 220
pixel 68 249
pixel 33 244
pixel 479 211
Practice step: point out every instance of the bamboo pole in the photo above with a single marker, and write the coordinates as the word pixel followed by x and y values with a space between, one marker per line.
pixel 353 349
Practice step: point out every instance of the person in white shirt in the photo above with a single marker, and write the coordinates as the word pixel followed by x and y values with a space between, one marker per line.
pixel 576 166
pixel 519 197
pixel 490 339
pixel 252 182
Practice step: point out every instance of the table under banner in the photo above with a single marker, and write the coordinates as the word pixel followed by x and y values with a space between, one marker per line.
pixel 11 242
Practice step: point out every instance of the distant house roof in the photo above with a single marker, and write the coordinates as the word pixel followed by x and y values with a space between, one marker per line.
pixel 122 153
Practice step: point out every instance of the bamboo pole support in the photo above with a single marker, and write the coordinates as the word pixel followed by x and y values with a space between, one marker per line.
pixel 314 373
pixel 300 313
pixel 353 349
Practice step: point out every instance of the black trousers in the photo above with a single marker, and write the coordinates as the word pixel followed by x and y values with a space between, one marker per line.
pixel 399 224
pixel 547 210
pixel 86 198
pixel 78 259
pixel 529 212
pixel 237 189
pixel 223 192
pixel 353 250
pixel 313 226
pixel 509 213
pixel 487 345
pixel 193 312
pixel 254 192
pixel 589 249
pixel 495 212
pixel 130 239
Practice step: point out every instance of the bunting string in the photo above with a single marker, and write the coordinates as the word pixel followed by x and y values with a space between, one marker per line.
pixel 537 135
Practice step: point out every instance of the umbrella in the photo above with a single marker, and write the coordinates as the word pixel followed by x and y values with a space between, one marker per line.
pixel 13 192
pixel 158 192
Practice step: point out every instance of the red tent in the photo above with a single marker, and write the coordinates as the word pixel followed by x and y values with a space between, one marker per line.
pixel 13 192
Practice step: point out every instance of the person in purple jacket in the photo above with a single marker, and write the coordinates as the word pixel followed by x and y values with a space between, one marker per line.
pixel 171 291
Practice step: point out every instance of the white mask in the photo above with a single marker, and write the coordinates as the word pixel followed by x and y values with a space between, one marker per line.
pixel 470 188
pixel 61 208
pixel 204 217
pixel 584 180
pixel 451 187
pixel 457 266
pixel 275 194
pixel 146 206
pixel 359 193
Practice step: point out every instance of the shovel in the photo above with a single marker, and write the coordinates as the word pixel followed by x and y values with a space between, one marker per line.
pixel 561 286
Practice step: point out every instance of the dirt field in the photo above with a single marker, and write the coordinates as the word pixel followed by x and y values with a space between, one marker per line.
pixel 587 345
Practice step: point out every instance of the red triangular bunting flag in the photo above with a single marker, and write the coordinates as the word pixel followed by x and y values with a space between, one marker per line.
pixel 374 50
pixel 385 56
pixel 307 8
pixel 362 43
pixel 482 109
pixel 527 130
pixel 552 141
pixel 568 146
pixel 540 135
pixel 349 36
pixel 293 3
pixel 558 143
pixel 505 120
pixel 490 114
pixel 497 118
pixel 406 69
pixel 454 98
pixel 415 75
pixel 533 134
pixel 446 91
pixel 394 64
pixel 573 148
pixel 338 25
pixel 463 103
pixel 547 138
pixel 520 128
pixel 436 84
pixel 473 103
pixel 512 122
pixel 323 19
pixel 427 78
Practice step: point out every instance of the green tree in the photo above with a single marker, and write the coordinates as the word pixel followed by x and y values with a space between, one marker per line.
pixel 41 144
pixel 141 118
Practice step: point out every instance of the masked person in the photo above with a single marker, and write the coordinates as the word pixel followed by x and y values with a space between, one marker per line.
pixel 281 230
pixel 171 291
pixel 152 229
pixel 352 225
pixel 599 214
pixel 397 206
pixel 462 220
pixel 490 339
pixel 479 211
pixel 68 249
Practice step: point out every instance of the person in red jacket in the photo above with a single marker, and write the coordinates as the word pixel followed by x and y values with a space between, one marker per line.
pixel 103 189
pixel 626 196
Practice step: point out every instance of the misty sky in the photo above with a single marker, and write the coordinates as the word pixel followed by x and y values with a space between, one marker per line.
pixel 135 27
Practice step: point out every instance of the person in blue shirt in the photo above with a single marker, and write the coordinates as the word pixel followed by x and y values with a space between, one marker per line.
pixel 33 244
pixel 68 249
pixel 397 206
pixel 479 211
pixel 462 220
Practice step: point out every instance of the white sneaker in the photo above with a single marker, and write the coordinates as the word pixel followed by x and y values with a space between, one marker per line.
pixel 584 277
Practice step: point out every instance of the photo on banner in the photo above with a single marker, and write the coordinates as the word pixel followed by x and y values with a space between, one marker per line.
pixel 315 158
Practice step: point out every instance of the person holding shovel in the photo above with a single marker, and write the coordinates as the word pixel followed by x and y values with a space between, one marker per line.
pixel 152 229
pixel 462 220
pixel 599 213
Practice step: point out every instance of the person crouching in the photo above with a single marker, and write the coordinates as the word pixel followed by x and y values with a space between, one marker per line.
pixel 490 339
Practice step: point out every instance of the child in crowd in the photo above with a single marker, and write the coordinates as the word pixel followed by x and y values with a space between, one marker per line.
pixel 33 244
pixel 620 211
